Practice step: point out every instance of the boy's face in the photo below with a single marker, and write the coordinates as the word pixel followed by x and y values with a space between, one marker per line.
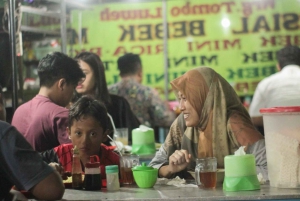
pixel 87 135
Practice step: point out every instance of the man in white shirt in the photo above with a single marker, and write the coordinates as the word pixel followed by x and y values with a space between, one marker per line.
pixel 281 88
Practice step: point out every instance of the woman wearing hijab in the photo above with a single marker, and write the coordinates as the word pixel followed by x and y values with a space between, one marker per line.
pixel 213 123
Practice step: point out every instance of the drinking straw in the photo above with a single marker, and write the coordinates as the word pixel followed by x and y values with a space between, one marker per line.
pixel 115 144
pixel 113 125
pixel 112 122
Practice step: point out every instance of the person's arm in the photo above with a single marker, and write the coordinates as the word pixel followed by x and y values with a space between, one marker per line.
pixel 50 188
pixel 51 158
pixel 178 161
pixel 161 162
pixel 61 171
pixel 160 159
pixel 24 167
pixel 172 164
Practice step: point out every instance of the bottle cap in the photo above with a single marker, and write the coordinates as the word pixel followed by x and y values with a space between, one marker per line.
pixel 94 162
pixel 111 168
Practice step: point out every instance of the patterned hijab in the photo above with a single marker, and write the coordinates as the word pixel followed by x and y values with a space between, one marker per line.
pixel 215 102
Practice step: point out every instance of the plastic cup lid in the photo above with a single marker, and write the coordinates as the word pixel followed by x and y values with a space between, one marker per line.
pixel 111 168
pixel 280 109
pixel 142 167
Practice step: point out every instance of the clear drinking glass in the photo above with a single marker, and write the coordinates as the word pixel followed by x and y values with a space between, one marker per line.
pixel 206 172
pixel 127 162
pixel 121 134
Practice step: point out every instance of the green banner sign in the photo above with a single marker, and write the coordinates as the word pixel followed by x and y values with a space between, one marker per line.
pixel 237 38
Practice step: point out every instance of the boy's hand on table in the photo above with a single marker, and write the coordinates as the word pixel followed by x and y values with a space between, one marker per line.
pixel 60 170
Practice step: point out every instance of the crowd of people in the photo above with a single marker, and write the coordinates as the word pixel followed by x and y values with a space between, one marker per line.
pixel 73 103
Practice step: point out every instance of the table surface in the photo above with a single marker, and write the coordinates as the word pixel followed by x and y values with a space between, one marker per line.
pixel 165 192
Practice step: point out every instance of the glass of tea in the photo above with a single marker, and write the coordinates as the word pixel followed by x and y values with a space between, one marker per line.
pixel 206 172
pixel 127 162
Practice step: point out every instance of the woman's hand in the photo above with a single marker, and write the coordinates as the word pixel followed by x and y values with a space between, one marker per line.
pixel 178 161
pixel 60 170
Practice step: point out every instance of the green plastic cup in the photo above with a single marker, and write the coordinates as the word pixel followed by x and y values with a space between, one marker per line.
pixel 144 176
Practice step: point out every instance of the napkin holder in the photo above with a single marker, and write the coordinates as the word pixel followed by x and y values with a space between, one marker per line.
pixel 143 142
pixel 240 173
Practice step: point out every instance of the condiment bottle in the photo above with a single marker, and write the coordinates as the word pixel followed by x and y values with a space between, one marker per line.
pixel 112 178
pixel 76 170
pixel 92 179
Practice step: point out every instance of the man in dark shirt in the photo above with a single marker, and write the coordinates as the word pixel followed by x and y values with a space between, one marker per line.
pixel 23 167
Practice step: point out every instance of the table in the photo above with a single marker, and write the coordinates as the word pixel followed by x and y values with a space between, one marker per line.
pixel 164 192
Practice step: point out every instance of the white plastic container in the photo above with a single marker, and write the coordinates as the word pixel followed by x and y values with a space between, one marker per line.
pixel 282 136
pixel 112 178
